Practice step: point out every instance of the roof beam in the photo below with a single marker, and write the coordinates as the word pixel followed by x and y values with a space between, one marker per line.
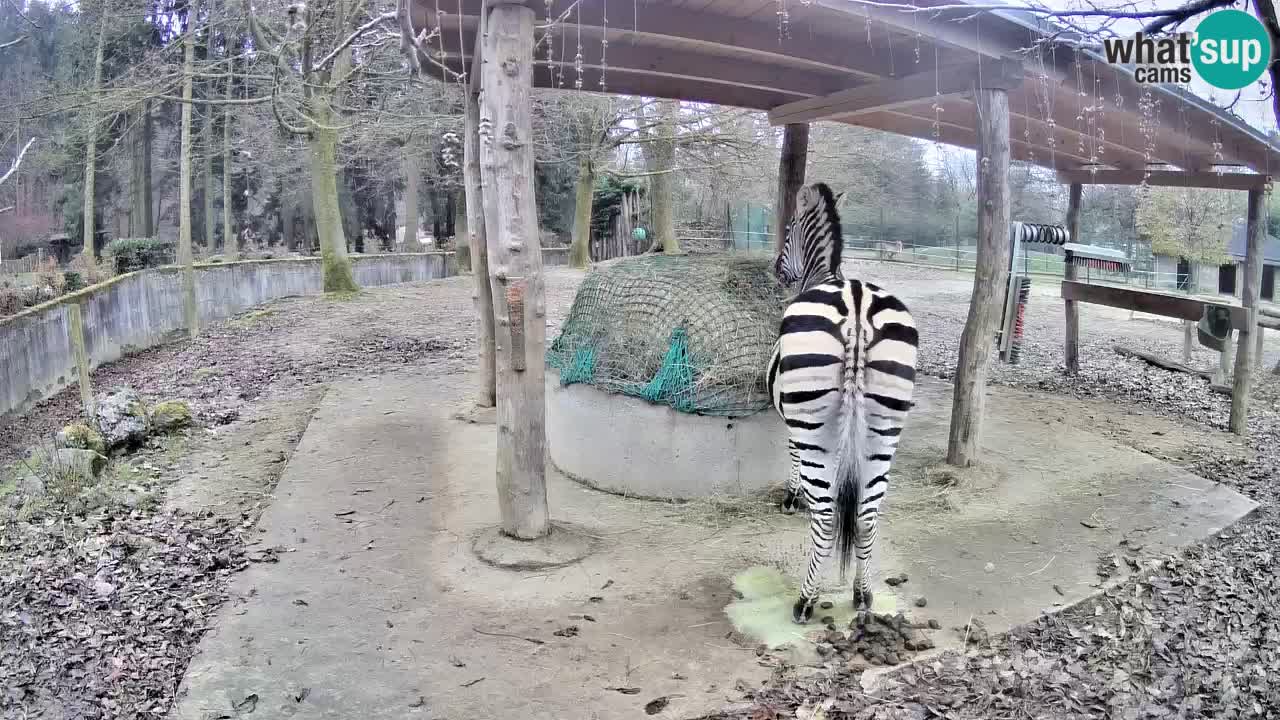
pixel 1003 74
pixel 701 31
pixel 1166 178
pixel 960 136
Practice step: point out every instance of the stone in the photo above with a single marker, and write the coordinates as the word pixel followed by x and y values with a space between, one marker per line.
pixel 122 418
pixel 81 437
pixel 30 486
pixel 83 465
pixel 170 415
pixel 921 601
pixel 934 624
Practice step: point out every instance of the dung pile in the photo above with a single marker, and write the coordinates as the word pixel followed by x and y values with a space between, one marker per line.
pixel 879 640
pixel 690 331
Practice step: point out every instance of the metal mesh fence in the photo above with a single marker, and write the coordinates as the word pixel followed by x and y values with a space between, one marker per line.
pixel 690 331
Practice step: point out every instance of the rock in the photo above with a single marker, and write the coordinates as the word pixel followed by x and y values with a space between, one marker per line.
pixel 82 437
pixel 934 624
pixel 170 415
pixel 31 487
pixel 83 465
pixel 989 567
pixel 122 418
pixel 922 601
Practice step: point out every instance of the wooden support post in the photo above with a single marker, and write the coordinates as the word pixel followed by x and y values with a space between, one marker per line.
pixel 511 233
pixel 472 182
pixel 1225 359
pixel 1257 349
pixel 1072 343
pixel 990 276
pixel 75 336
pixel 795 155
pixel 1257 230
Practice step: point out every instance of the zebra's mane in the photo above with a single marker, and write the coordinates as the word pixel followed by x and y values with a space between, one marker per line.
pixel 822 245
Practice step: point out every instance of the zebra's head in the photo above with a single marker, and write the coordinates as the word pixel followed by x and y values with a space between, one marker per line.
pixel 812 249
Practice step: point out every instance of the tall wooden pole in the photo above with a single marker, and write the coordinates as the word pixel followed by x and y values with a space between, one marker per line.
pixel 990 276
pixel 795 154
pixel 506 165
pixel 474 200
pixel 1072 343
pixel 1257 230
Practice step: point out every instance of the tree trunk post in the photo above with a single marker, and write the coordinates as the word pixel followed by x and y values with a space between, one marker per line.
pixel 1072 343
pixel 185 256
pixel 412 196
pixel 506 149
pixel 472 181
pixel 791 168
pixel 1257 348
pixel 75 332
pixel 1257 230
pixel 990 276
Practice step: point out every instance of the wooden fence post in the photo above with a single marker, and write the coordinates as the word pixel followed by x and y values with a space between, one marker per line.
pixel 511 233
pixel 791 167
pixel 991 274
pixel 1257 231
pixel 75 336
pixel 1072 341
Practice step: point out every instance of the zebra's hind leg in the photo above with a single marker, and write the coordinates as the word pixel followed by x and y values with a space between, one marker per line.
pixel 821 539
pixel 791 502
pixel 864 554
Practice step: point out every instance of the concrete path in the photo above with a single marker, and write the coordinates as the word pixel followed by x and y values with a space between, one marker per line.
pixel 377 607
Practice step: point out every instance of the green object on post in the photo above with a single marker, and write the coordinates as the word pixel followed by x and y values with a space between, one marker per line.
pixel 639 234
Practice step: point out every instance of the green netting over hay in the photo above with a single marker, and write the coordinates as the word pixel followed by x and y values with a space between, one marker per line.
pixel 690 331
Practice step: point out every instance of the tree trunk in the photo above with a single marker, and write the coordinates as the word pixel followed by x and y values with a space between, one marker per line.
pixel 185 256
pixel 579 254
pixel 230 243
pixel 91 145
pixel 507 165
pixel 476 227
pixel 1074 201
pixel 662 160
pixel 990 277
pixel 1257 232
pixel 436 226
pixel 140 204
pixel 412 215
pixel 206 139
pixel 791 167
pixel 323 144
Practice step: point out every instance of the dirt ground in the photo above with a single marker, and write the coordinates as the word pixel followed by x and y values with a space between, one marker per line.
pixel 1183 641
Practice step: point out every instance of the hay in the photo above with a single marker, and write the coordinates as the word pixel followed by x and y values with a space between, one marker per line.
pixel 690 331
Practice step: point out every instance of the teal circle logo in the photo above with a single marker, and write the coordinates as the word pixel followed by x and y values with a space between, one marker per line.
pixel 1232 49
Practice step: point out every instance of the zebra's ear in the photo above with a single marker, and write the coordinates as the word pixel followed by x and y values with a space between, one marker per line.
pixel 838 198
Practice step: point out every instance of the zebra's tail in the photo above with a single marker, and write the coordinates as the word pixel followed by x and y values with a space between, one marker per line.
pixel 852 428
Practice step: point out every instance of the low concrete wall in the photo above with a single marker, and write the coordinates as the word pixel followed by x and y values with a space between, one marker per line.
pixel 141 309
pixel 555 257
pixel 631 447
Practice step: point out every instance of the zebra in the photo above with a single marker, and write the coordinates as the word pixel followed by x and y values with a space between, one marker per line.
pixel 841 376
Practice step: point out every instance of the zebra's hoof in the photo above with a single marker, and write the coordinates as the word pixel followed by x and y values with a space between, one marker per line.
pixel 803 610
pixel 862 600
pixel 790 503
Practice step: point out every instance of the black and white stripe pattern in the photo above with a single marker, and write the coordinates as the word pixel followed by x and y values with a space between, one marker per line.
pixel 841 376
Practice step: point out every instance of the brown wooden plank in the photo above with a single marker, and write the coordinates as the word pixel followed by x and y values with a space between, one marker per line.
pixel 899 92
pixel 1161 362
pixel 1182 307
pixel 1166 178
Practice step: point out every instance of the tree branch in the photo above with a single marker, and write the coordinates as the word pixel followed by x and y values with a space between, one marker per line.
pixel 1173 17
pixel 21 14
pixel 1267 11
pixel 11 43
pixel 353 37
pixel 17 162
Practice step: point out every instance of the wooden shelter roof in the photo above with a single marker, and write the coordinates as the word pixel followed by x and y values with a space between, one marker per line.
pixel 1069 108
